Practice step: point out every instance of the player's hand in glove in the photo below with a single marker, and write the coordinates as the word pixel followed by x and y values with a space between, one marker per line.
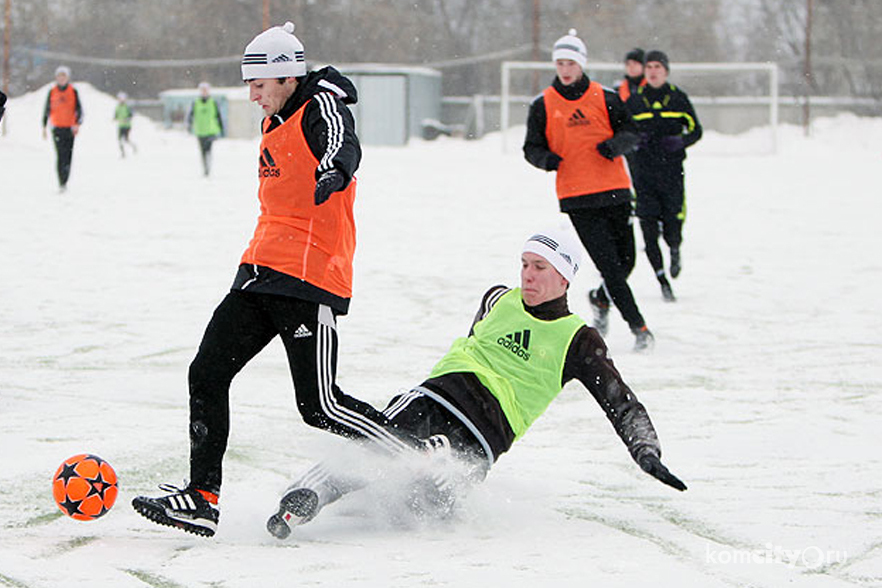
pixel 605 149
pixel 671 143
pixel 653 466
pixel 328 183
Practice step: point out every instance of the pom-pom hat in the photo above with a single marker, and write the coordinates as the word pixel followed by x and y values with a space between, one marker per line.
pixel 274 53
pixel 570 47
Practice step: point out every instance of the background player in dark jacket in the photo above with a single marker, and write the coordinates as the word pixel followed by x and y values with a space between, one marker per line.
pixel 581 130
pixel 524 345
pixel 668 125
pixel 65 113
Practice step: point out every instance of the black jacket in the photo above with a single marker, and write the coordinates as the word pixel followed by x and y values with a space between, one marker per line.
pixel 661 113
pixel 624 140
pixel 587 361
pixel 329 129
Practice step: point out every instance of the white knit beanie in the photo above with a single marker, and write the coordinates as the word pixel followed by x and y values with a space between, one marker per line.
pixel 274 53
pixel 570 47
pixel 562 251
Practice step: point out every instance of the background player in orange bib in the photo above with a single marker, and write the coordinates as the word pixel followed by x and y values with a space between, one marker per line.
pixel 65 113
pixel 580 129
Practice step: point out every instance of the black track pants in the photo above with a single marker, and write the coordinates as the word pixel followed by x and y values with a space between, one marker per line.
pixel 205 144
pixel 415 414
pixel 242 325
pixel 608 237
pixel 660 200
pixel 64 143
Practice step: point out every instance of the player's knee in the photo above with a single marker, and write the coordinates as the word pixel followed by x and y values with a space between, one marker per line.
pixel 205 372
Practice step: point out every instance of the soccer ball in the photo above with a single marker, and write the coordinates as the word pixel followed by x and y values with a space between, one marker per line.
pixel 84 487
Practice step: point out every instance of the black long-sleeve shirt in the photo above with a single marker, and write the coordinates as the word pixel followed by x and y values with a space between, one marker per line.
pixel 587 360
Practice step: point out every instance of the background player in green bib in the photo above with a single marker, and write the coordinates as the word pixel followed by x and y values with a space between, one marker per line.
pixel 206 123
pixel 123 117
pixel 523 347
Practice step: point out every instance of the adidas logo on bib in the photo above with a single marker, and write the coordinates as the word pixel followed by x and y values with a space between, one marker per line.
pixel 578 118
pixel 518 343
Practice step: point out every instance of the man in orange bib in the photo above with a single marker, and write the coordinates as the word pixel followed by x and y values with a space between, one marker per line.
pixel 295 276
pixel 581 130
pixel 64 111
pixel 633 78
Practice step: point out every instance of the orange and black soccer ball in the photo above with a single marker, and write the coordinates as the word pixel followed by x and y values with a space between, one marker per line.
pixel 84 487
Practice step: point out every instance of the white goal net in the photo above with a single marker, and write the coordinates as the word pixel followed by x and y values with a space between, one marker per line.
pixel 728 97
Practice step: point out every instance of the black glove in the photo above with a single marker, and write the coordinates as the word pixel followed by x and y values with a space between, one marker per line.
pixel 328 183
pixel 671 143
pixel 652 465
pixel 552 161
pixel 606 150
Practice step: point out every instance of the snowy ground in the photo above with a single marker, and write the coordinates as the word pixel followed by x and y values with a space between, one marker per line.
pixel 764 384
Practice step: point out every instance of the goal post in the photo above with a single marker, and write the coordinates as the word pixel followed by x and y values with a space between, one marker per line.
pixel 769 69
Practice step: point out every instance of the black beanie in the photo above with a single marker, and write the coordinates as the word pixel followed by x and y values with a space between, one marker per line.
pixel 656 55
pixel 635 54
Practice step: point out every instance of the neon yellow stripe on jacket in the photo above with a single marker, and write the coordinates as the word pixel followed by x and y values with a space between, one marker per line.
pixel 689 120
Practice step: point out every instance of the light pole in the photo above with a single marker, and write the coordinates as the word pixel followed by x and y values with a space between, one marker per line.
pixel 807 69
pixel 7 33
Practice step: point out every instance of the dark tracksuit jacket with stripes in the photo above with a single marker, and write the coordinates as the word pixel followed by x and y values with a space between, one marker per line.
pixel 326 145
pixel 587 361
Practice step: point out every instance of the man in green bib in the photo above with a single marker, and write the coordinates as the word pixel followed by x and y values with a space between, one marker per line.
pixel 482 396
pixel 206 123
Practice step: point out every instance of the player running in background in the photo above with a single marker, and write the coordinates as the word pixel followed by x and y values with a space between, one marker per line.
pixel 123 117
pixel 205 121
pixel 633 78
pixel 65 113
pixel 668 125
pixel 580 130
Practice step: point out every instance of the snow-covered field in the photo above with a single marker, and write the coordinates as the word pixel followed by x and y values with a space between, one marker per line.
pixel 764 384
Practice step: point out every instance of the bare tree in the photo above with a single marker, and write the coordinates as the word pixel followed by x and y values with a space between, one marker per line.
pixel 466 38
